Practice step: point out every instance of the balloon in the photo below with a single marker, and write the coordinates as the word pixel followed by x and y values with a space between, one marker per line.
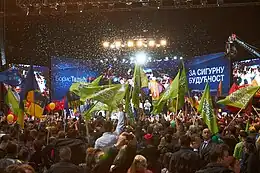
pixel 52 106
pixel 10 118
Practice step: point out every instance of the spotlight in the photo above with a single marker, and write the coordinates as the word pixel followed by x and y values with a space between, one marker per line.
pixel 181 57
pixel 141 58
pixel 139 43
pixel 166 59
pixel 130 43
pixel 106 44
pixel 115 59
pixel 151 43
pixel 163 42
pixel 101 61
pixel 175 57
pixel 118 44
pixel 112 46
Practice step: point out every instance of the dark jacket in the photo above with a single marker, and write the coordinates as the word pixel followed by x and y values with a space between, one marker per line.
pixel 151 153
pixel 121 162
pixel 64 167
pixel 7 161
pixel 204 153
pixel 184 161
pixel 215 168
pixel 250 163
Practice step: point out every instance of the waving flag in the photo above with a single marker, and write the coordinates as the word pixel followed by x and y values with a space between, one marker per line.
pixel 13 102
pixel 207 112
pixel 75 96
pixel 240 98
pixel 170 93
pixel 35 101
pixel 140 81
pixel 183 89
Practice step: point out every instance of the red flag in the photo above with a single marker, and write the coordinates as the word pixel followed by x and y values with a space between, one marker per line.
pixel 59 105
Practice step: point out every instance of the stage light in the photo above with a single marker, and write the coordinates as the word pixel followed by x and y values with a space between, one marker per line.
pixel 139 43
pixel 141 58
pixel 175 57
pixel 163 42
pixel 115 59
pixel 151 43
pixel 101 61
pixel 130 43
pixel 166 59
pixel 106 44
pixel 150 58
pixel 112 46
pixel 118 44
pixel 181 57
pixel 158 45
pixel 132 58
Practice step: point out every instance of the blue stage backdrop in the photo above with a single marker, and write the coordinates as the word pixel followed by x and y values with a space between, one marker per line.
pixel 65 71
pixel 211 68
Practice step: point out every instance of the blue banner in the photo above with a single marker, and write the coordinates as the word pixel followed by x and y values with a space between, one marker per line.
pixel 211 68
pixel 66 71
pixel 11 77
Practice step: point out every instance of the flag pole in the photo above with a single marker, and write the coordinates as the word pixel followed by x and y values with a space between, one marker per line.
pixel 256 111
pixel 234 118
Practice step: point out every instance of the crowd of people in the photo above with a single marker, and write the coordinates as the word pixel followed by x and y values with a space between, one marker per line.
pixel 167 144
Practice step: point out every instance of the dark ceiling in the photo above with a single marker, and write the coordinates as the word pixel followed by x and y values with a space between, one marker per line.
pixel 190 32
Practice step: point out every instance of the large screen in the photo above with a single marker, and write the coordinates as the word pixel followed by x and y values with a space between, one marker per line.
pixel 41 74
pixel 160 73
pixel 247 72
pixel 211 68
pixel 65 71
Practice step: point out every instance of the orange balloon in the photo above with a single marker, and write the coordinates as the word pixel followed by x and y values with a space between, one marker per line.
pixel 10 118
pixel 52 106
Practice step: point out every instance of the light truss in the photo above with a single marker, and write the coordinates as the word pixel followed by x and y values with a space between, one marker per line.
pixel 38 7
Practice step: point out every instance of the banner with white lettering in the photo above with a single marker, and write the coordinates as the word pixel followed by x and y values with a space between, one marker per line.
pixel 66 71
pixel 211 68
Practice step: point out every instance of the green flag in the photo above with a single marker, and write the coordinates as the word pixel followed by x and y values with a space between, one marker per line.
pixel 240 98
pixel 128 109
pixel 170 93
pixel 140 81
pixel 13 102
pixel 144 79
pixel 183 89
pixel 96 81
pixel 87 92
pixel 74 95
pixel 207 112
pixel 97 106
pixel 75 87
pixel 137 86
pixel 109 95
